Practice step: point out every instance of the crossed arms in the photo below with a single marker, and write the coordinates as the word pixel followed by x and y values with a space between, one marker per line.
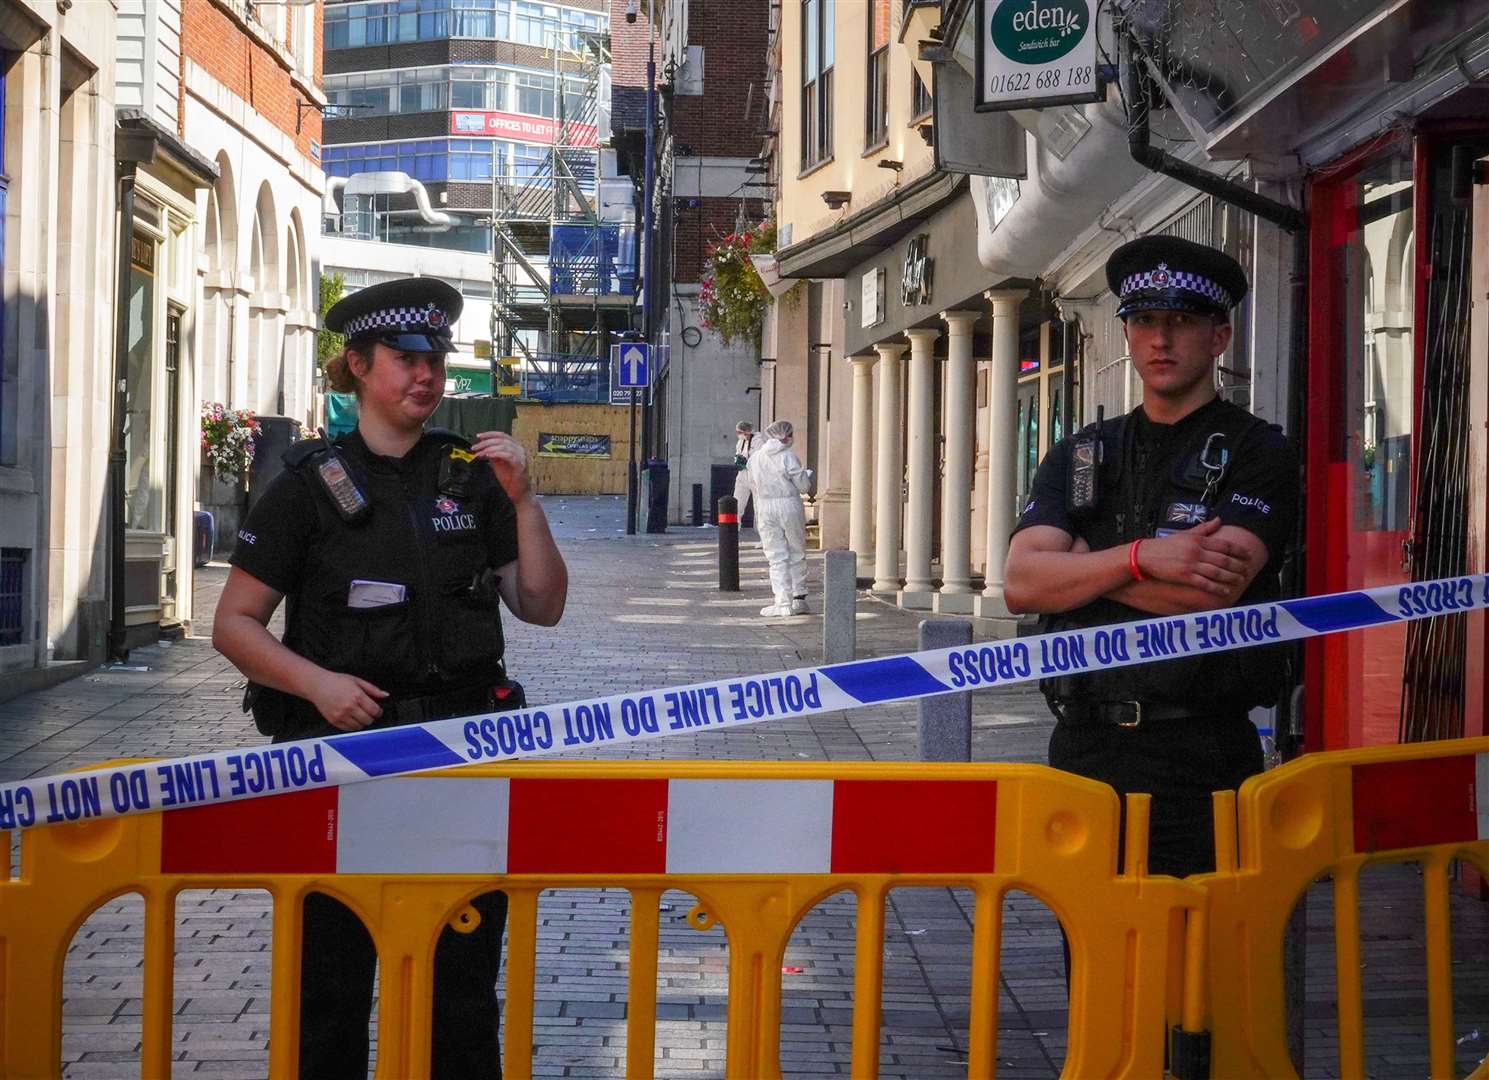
pixel 1208 566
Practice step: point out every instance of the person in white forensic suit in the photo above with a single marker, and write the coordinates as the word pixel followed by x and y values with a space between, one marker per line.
pixel 745 442
pixel 779 480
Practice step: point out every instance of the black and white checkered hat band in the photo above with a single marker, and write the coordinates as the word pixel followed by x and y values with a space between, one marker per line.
pixel 1164 278
pixel 401 319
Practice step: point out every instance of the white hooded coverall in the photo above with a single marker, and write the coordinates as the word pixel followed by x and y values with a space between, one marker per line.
pixel 778 480
pixel 744 446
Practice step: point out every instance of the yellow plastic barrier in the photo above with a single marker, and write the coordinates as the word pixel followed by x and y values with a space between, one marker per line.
pixel 1334 814
pixel 758 844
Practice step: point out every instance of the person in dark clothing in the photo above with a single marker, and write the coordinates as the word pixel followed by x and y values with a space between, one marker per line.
pixel 395 548
pixel 1185 504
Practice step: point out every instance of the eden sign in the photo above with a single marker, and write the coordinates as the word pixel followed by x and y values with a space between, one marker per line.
pixel 1032 53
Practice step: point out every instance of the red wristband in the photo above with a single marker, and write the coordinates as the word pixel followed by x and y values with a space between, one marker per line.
pixel 1137 571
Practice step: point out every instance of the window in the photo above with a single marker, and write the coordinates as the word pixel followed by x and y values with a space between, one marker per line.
pixel 354 26
pixel 535 24
pixel 920 103
pixel 142 500
pixel 470 159
pixel 576 23
pixel 173 406
pixel 527 161
pixel 535 94
pixel 816 78
pixel 12 596
pixel 876 97
pixel 575 96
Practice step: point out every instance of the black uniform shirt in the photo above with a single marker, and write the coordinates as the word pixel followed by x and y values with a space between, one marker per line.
pixel 445 634
pixel 1259 493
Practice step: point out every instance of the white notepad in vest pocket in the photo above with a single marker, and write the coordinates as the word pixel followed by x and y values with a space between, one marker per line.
pixel 369 594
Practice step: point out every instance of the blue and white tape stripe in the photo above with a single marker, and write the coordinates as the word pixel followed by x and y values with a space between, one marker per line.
pixel 724 703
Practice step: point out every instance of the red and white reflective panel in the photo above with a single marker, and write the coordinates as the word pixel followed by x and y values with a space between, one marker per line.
pixel 528 825
pixel 1407 804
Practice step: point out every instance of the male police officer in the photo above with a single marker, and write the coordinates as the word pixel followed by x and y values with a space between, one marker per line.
pixel 1185 504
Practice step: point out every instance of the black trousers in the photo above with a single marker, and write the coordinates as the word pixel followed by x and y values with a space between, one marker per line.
pixel 1179 763
pixel 338 962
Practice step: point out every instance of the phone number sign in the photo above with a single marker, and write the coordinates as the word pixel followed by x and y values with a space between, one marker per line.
pixel 1033 53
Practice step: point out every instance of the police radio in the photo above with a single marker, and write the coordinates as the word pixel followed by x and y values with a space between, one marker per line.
pixel 330 472
pixel 1083 491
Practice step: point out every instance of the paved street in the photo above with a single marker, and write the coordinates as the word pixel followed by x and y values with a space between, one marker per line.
pixel 645 611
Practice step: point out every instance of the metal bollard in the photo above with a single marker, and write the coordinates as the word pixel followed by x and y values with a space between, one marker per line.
pixel 840 607
pixel 728 544
pixel 697 505
pixel 945 721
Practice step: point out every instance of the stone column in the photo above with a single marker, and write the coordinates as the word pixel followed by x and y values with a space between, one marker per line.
pixel 861 486
pixel 955 596
pixel 768 394
pixel 1003 384
pixel 889 467
pixel 920 589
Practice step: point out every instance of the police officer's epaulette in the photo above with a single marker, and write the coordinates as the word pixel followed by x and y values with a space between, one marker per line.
pixel 301 452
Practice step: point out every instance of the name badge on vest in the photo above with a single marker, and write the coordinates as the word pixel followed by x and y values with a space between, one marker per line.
pixel 451 517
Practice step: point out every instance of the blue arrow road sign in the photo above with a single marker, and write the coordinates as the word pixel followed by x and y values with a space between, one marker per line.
pixel 635 365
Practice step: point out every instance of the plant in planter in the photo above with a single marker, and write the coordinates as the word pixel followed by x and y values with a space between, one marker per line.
pixel 227 440
pixel 732 298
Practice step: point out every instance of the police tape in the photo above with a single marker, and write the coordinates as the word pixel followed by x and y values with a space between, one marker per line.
pixel 619 719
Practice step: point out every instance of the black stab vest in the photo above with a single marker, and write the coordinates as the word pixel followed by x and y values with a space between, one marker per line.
pixel 1135 499
pixel 447 633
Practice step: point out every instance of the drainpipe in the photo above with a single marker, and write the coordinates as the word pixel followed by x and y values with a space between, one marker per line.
pixel 1136 88
pixel 117 455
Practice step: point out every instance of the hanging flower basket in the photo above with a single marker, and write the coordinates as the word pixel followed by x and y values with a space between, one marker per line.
pixel 733 296
pixel 227 440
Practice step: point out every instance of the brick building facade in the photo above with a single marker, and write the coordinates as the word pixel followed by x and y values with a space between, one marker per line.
pixel 222 296
pixel 710 103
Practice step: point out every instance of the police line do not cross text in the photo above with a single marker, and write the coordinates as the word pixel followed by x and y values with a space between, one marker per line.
pixel 619 719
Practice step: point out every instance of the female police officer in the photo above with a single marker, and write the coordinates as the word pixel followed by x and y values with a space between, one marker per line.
pixel 393 545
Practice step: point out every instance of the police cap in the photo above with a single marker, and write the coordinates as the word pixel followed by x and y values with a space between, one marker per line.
pixel 1165 273
pixel 412 314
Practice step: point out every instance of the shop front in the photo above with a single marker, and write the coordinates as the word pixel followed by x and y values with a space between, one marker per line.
pixel 1372 117
pixel 1398 393
pixel 159 405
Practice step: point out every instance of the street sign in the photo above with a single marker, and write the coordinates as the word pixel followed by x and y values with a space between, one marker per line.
pixel 618 396
pixel 635 365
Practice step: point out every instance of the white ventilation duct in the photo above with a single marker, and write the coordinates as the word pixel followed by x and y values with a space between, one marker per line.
pixel 389 183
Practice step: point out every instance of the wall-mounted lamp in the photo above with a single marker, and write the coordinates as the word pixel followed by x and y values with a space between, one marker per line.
pixel 633 7
pixel 836 200
pixel 891 163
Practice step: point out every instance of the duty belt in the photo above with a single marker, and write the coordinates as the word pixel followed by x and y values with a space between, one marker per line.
pixel 497 696
pixel 1131 714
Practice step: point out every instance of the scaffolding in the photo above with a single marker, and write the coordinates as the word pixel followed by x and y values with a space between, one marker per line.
pixel 560 272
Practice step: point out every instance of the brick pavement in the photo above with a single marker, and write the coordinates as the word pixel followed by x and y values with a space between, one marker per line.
pixel 644 611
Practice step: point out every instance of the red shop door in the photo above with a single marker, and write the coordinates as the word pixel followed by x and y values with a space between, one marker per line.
pixel 1362 414
pixel 1394 475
